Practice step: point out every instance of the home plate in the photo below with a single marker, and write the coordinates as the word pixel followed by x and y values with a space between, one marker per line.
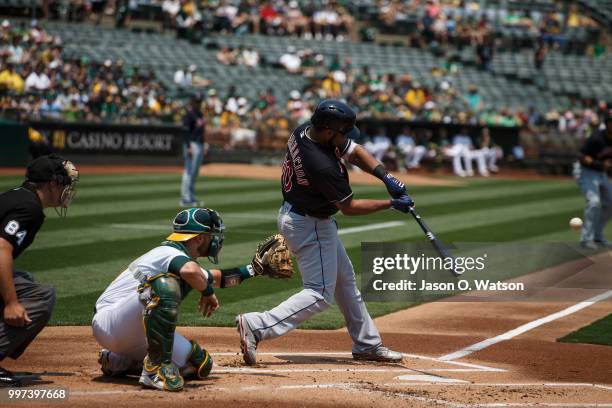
pixel 428 378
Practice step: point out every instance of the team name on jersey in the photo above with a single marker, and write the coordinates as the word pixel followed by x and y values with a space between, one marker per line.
pixel 296 160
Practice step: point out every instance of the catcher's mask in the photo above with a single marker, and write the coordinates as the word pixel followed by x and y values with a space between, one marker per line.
pixel 55 168
pixel 192 222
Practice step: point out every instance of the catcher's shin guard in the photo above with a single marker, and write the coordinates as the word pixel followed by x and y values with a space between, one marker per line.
pixel 164 377
pixel 199 363
pixel 162 296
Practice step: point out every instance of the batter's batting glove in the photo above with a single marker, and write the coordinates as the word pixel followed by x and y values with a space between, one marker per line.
pixel 395 187
pixel 403 204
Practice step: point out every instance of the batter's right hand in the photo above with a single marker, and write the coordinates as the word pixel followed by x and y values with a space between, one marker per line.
pixel 16 315
pixel 208 304
pixel 403 204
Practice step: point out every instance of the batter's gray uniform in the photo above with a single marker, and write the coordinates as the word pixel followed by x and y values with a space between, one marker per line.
pixel 314 179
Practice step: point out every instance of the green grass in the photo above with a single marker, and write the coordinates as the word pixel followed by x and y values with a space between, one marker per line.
pixel 599 332
pixel 81 254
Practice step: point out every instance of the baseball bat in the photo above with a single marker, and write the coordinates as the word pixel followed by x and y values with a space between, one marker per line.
pixel 435 242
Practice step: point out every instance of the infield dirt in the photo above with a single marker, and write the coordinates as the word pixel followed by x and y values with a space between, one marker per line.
pixel 315 368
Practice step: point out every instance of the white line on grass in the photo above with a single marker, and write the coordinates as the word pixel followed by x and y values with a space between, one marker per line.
pixel 151 227
pixel 525 328
pixel 342 231
pixel 370 227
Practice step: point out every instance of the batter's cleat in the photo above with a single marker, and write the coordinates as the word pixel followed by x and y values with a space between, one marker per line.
pixel 604 243
pixel 589 245
pixel 8 379
pixel 248 342
pixel 381 353
pixel 164 377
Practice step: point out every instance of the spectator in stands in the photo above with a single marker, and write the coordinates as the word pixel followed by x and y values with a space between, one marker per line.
pixel 170 10
pixel 415 97
pixel 226 56
pixel 250 57
pixel 473 98
pixel 50 109
pixel 297 23
pixel 37 80
pixel 540 56
pixel 291 60
pixel 412 153
pixel 224 16
pixel 183 77
pixel 485 52
pixel 246 19
pixel 15 52
pixel 11 80
pixel 188 21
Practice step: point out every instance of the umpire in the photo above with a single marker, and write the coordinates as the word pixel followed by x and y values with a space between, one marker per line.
pixel 591 175
pixel 26 306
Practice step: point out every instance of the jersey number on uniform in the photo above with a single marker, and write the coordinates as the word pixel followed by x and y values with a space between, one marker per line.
pixel 287 175
pixel 12 228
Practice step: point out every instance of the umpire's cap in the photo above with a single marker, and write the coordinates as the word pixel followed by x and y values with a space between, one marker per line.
pixel 335 115
pixel 51 167
pixel 192 222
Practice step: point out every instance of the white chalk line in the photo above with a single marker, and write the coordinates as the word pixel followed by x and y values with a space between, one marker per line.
pixel 465 367
pixel 525 327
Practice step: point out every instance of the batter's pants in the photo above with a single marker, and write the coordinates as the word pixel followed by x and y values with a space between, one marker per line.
pixel 327 275
pixel 38 300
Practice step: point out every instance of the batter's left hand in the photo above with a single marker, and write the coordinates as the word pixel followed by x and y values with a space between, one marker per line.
pixel 207 305
pixel 395 187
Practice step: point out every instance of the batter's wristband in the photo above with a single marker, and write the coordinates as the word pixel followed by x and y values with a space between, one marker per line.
pixel 379 172
pixel 209 289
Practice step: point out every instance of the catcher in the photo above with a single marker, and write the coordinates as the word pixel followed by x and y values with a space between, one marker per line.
pixel 148 293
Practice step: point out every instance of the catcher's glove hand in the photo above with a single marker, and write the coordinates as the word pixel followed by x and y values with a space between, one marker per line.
pixel 273 258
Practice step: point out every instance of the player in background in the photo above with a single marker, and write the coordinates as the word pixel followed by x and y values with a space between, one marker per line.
pixel 315 186
pixel 591 173
pixel 26 306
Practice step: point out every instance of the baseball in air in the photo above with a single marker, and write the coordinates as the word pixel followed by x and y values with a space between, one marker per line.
pixel 575 223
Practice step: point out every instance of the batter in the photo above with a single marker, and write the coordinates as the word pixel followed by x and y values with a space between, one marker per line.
pixel 315 186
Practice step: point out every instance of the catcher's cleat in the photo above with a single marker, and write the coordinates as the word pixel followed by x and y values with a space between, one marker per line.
pixel 8 379
pixel 381 353
pixel 248 342
pixel 164 377
pixel 106 366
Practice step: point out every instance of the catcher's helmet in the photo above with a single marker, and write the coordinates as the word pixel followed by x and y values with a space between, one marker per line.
pixel 334 115
pixel 192 222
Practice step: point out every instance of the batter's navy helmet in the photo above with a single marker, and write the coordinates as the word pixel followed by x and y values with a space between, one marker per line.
pixel 334 115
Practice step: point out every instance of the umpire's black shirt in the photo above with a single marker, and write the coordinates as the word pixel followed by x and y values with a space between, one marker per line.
pixel 599 147
pixel 314 178
pixel 21 216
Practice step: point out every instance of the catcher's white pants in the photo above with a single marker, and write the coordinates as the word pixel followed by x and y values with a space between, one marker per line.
pixel 119 328
pixel 327 273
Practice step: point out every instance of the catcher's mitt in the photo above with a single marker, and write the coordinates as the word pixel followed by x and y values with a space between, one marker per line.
pixel 273 258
